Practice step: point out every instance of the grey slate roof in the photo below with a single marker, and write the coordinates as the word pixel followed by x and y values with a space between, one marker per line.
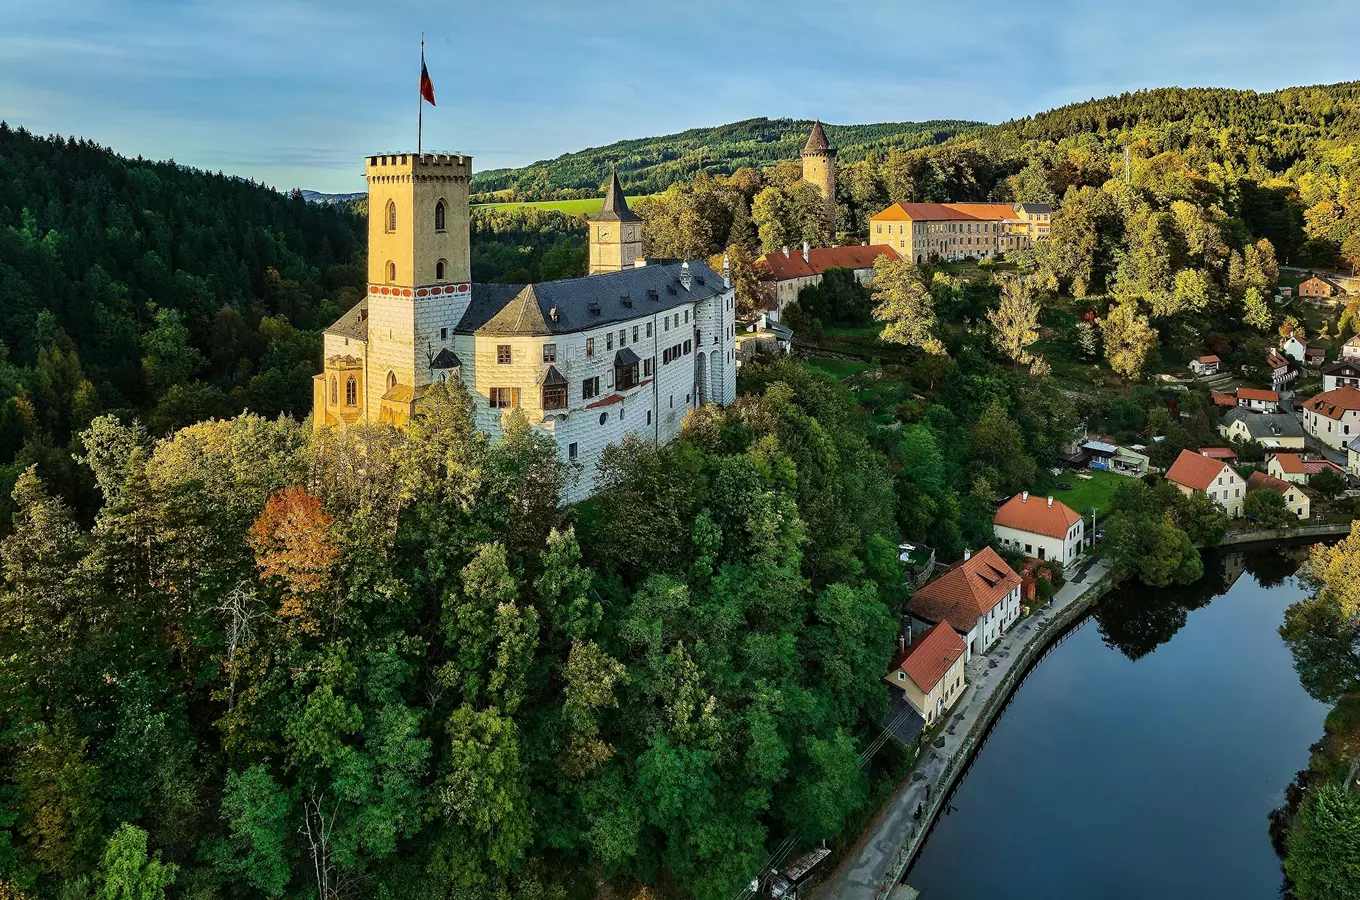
pixel 615 208
pixel 353 324
pixel 1345 366
pixel 519 309
pixel 902 719
pixel 445 359
pixel 1263 426
pixel 1034 207
pixel 528 309
pixel 817 142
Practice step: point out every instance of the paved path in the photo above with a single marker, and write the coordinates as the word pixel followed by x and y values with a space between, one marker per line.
pixel 882 852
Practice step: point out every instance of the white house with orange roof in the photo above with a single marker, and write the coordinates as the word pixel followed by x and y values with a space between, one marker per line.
pixel 1295 500
pixel 1333 417
pixel 979 598
pixel 1193 472
pixel 1258 399
pixel 1294 347
pixel 1040 527
pixel 783 274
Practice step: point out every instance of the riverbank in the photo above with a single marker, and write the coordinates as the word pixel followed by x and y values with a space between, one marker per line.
pixel 886 850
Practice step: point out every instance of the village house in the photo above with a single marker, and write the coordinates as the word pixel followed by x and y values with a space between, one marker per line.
pixel 1280 374
pixel 1043 529
pixel 1294 347
pixel 1274 431
pixel 1287 467
pixel 929 671
pixel 979 598
pixel 782 274
pixel 627 350
pixel 1333 417
pixel 1351 349
pixel 1345 372
pixel 1258 399
pixel 1294 498
pixel 1319 287
pixel 1193 472
pixel 1205 365
pixel 1314 357
pixel 1222 400
pixel 1353 460
pixel 920 232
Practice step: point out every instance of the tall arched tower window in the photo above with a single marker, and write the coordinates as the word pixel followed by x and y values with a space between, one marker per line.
pixel 391 272
pixel 391 380
pixel 439 216
pixel 439 269
pixel 391 216
pixel 351 391
pixel 335 390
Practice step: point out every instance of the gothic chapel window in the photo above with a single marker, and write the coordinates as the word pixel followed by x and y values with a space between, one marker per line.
pixel 335 391
pixel 351 391
pixel 391 216
pixel 439 216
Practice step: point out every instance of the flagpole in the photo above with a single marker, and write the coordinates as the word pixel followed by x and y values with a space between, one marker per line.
pixel 420 101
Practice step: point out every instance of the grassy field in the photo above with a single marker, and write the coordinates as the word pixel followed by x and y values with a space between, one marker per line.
pixel 570 207
pixel 1088 492
pixel 837 367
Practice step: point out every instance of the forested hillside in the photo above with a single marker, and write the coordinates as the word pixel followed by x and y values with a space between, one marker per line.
pixel 650 165
pixel 154 290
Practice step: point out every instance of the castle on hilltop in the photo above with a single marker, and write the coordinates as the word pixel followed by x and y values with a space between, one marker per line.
pixel 627 350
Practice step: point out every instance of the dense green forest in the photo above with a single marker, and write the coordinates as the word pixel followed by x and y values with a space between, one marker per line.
pixel 650 165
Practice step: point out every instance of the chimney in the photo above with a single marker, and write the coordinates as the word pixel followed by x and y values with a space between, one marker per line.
pixel 640 263
pixel 967 554
pixel 1050 502
pixel 901 643
pixel 1024 496
pixel 727 272
pixel 685 278
pixel 805 251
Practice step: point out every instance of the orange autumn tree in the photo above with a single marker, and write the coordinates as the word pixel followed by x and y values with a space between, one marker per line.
pixel 295 553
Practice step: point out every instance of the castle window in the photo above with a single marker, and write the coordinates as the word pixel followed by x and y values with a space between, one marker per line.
pixel 609 341
pixel 439 216
pixel 590 388
pixel 503 354
pixel 439 270
pixel 571 450
pixel 391 272
pixel 391 217
pixel 647 366
pixel 590 346
pixel 555 396
pixel 391 380
pixel 443 377
pixel 351 391
pixel 443 334
pixel 335 390
pixel 649 329
pixel 635 334
pixel 604 417
pixel 623 336
pixel 550 353
pixel 504 397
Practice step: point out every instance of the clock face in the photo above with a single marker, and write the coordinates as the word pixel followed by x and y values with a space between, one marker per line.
pixel 604 234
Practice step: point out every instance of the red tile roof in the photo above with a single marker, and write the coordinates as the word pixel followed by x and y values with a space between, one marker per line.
pixel 1222 453
pixel 1290 463
pixel 1210 360
pixel 1260 480
pixel 1195 471
pixel 780 267
pixel 1222 399
pixel 1276 361
pixel 936 212
pixel 1035 515
pixel 1313 466
pixel 929 657
pixel 968 590
pixel 1258 394
pixel 1335 403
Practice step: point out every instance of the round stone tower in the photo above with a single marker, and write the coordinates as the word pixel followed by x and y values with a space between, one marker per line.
pixel 819 168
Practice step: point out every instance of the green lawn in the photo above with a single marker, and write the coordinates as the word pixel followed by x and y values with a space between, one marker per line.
pixel 840 368
pixel 1088 492
pixel 570 207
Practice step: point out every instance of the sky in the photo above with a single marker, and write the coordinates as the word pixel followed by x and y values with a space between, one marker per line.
pixel 294 94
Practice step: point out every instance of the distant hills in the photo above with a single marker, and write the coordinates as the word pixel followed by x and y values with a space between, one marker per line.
pixel 650 165
pixel 318 197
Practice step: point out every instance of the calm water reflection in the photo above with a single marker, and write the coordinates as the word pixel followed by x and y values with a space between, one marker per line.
pixel 1142 757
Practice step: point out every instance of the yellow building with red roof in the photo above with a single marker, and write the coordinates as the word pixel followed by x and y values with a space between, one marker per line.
pixel 929 671
pixel 921 232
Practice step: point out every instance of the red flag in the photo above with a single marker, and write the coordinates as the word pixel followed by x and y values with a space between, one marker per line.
pixel 426 85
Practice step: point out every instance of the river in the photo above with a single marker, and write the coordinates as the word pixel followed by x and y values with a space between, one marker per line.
pixel 1142 756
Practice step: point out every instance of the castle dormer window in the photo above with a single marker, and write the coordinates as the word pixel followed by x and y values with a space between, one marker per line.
pixel 439 216
pixel 390 219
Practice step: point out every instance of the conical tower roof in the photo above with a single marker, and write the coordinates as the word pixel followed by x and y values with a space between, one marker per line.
pixel 817 142
pixel 615 208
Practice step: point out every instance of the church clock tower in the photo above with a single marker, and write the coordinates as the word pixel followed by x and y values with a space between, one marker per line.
pixel 615 232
